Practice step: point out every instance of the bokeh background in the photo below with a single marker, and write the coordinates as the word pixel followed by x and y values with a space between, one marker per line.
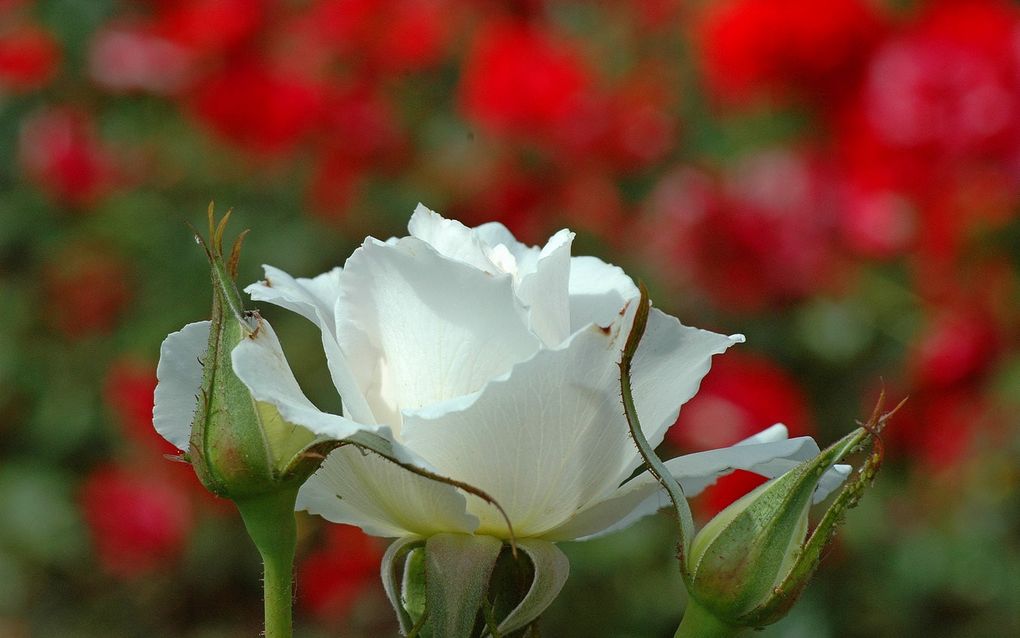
pixel 837 179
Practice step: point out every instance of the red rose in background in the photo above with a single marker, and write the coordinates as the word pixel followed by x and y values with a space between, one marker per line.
pixel 937 428
pixel 936 125
pixel 948 85
pixel 641 120
pixel 29 57
pixel 128 390
pixel 761 236
pixel 955 347
pixel 259 108
pixel 330 579
pixel 362 126
pixel 878 223
pixel 742 395
pixel 85 291
pixel 334 186
pixel 368 38
pixel 139 522
pixel 811 48
pixel 414 34
pixel 521 78
pixel 345 27
pixel 210 27
pixel 133 57
pixel 59 151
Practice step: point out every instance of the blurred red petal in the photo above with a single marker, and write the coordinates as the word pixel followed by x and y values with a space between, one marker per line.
pixel 138 523
pixel 29 58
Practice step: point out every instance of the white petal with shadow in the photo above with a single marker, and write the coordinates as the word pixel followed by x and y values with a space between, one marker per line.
pixel 179 375
pixel 421 328
pixel 316 299
pixel 382 498
pixel 260 364
pixel 765 454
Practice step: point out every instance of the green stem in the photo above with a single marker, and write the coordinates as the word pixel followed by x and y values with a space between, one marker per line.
pixel 270 522
pixel 699 623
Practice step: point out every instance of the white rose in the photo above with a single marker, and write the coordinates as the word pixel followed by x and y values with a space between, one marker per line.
pixel 495 364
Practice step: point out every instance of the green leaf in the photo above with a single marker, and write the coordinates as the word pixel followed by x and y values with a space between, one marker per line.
pixel 457 572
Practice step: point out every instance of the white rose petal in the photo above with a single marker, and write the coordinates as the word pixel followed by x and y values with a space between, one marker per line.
pixel 179 375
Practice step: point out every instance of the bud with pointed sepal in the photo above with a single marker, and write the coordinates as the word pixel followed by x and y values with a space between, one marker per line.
pixel 240 447
pixel 749 564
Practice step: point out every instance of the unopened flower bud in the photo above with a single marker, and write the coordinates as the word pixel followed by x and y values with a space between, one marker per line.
pixel 748 565
pixel 240 447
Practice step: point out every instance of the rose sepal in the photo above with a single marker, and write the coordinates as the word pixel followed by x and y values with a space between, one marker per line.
pixel 470 586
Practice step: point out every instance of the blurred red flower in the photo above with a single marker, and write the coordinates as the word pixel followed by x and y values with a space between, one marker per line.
pixel 210 27
pixel 522 78
pixel 948 85
pixel 330 579
pixel 644 124
pixel 743 394
pixel 956 346
pixel 259 108
pixel 128 390
pixel 132 56
pixel 138 522
pixel 363 126
pixel 86 289
pixel 29 58
pixel 937 428
pixel 810 48
pixel 877 223
pixel 59 151
pixel 760 236
pixel 334 187
pixel 369 37
pixel 936 127
pixel 414 33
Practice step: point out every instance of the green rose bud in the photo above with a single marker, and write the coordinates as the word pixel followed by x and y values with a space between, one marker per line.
pixel 748 565
pixel 239 447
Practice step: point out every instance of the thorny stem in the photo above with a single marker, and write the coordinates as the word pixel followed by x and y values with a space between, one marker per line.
pixel 270 522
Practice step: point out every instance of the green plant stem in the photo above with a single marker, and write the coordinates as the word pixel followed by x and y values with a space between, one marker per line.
pixel 270 522
pixel 699 623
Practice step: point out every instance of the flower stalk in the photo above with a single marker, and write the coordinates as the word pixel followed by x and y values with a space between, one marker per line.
pixel 271 525
pixel 699 623
pixel 242 449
